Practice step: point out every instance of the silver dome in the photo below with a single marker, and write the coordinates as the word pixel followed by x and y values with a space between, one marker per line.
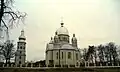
pixel 62 30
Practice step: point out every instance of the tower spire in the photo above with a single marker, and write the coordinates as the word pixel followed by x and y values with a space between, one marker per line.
pixel 22 32
pixel 62 22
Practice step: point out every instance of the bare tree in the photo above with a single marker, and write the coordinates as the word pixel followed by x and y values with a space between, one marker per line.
pixel 90 53
pixel 8 51
pixel 101 53
pixel 6 10
pixel 9 17
pixel 112 52
pixel 95 54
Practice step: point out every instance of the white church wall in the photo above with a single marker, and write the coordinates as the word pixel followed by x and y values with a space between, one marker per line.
pixel 62 60
pixel 71 60
pixel 50 57
pixel 56 61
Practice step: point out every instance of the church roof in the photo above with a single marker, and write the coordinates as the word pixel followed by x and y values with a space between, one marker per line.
pixel 49 47
pixel 67 46
pixel 62 30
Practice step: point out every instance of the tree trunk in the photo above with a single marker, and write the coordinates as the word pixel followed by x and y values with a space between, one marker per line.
pixel 114 59
pixel 110 59
pixel 6 62
pixel 1 11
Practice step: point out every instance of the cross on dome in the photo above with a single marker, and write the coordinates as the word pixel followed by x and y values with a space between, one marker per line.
pixel 62 22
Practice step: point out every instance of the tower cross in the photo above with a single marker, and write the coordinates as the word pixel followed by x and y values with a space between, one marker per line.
pixel 62 22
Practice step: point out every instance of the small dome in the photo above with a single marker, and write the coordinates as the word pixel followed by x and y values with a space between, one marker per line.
pixel 62 30
pixel 51 41
pixel 56 36
pixel 22 35
pixel 74 38
pixel 67 46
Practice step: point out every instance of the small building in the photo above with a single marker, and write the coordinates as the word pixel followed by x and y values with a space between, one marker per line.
pixel 59 51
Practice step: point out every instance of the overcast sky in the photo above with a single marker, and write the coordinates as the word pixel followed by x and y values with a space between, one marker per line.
pixel 93 21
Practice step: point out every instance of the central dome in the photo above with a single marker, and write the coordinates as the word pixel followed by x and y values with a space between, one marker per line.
pixel 62 30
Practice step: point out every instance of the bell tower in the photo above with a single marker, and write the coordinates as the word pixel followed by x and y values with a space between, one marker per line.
pixel 20 56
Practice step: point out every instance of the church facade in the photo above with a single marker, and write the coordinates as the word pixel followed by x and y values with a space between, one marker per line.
pixel 59 51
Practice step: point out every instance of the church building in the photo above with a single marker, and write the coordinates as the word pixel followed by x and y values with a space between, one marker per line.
pixel 20 55
pixel 60 52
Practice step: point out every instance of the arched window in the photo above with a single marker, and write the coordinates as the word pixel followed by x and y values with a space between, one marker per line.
pixel 20 47
pixel 57 55
pixel 62 55
pixel 19 62
pixel 20 57
pixel 76 56
pixel 69 55
pixel 20 52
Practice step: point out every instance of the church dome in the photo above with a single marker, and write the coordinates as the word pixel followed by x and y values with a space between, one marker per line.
pixel 22 35
pixel 62 30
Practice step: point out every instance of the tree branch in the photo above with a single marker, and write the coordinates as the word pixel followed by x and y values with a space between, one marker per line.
pixel 4 24
pixel 15 14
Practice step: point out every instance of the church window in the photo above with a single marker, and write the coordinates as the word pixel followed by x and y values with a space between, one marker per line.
pixel 19 62
pixel 69 55
pixel 57 55
pixel 76 56
pixel 59 38
pixel 64 38
pixel 62 55
pixel 20 47
pixel 23 47
pixel 20 52
pixel 20 57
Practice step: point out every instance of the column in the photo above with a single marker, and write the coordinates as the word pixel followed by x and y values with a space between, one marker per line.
pixel 31 65
pixel 20 65
pixel 101 64
pixel 106 64
pixel 118 64
pixel 85 63
pixel 61 65
pixel 3 65
pixel 88 63
pixel 7 65
pixel 79 64
pixel 11 65
pixel 15 65
pixel 68 65
pixel 39 64
pixel 112 64
pixel 94 64
pixel 26 65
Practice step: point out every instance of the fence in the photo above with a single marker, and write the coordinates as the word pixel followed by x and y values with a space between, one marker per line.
pixel 86 64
